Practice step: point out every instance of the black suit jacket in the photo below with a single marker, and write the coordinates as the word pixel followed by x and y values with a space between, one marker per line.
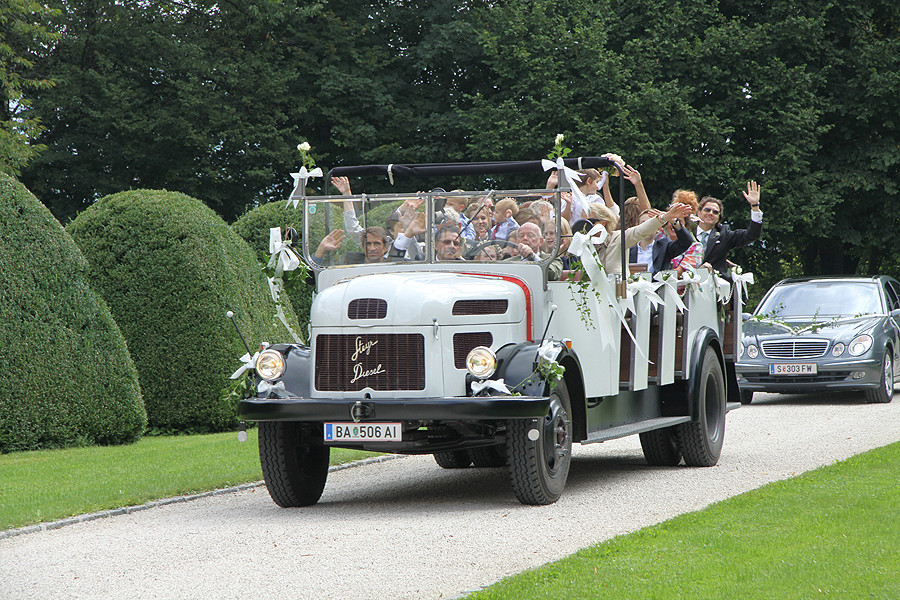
pixel 664 250
pixel 722 239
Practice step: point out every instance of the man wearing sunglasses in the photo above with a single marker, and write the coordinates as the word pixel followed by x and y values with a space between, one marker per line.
pixel 717 238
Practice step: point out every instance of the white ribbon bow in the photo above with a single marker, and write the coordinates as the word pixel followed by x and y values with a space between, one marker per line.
pixel 582 246
pixel 674 291
pixel 572 176
pixel 741 281
pixel 648 288
pixel 494 384
pixel 300 183
pixel 549 350
pixel 723 288
pixel 283 257
pixel 249 363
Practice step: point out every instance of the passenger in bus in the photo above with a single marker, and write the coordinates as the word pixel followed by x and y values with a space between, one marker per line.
pixel 657 250
pixel 504 221
pixel 478 226
pixel 609 251
pixel 529 240
pixel 592 180
pixel 717 238
pixel 448 243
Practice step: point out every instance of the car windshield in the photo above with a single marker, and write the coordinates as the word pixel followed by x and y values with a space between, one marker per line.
pixel 464 226
pixel 819 298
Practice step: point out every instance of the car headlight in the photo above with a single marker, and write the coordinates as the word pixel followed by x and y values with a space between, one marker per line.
pixel 838 349
pixel 860 344
pixel 481 362
pixel 752 351
pixel 270 365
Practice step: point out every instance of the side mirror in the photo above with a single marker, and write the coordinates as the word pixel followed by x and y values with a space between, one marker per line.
pixel 745 316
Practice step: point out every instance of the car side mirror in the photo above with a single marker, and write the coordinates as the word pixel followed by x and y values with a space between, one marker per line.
pixel 745 316
pixel 895 313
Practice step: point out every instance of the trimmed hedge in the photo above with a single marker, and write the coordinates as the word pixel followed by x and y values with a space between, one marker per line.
pixel 170 268
pixel 67 378
pixel 254 227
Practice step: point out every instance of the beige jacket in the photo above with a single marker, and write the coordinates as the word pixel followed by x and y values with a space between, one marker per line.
pixel 611 250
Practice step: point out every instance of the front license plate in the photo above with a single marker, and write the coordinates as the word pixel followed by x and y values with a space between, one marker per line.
pixel 792 369
pixel 363 432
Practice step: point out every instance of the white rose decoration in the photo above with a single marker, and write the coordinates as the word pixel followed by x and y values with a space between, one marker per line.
pixel 304 147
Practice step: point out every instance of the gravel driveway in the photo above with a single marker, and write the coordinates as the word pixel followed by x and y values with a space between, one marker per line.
pixel 405 528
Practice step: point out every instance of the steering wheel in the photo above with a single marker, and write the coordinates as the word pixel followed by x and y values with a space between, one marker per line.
pixel 470 254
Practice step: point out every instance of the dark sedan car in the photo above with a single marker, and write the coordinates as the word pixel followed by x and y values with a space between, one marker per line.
pixel 823 335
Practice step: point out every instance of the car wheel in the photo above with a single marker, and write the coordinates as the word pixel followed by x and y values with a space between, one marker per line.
pixel 488 456
pixel 885 392
pixel 746 396
pixel 660 447
pixel 457 459
pixel 540 451
pixel 700 440
pixel 294 460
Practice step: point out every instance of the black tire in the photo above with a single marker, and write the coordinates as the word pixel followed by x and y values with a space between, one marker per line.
pixel 294 461
pixel 660 447
pixel 885 392
pixel 700 440
pixel 746 396
pixel 488 456
pixel 457 459
pixel 538 468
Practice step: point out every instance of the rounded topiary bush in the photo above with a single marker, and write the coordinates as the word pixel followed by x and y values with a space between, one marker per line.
pixel 254 227
pixel 67 378
pixel 170 268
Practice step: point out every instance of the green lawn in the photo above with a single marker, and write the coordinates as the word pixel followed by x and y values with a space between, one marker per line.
pixel 830 533
pixel 47 485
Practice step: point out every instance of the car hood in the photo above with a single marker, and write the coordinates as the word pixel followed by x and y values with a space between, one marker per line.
pixel 419 298
pixel 832 328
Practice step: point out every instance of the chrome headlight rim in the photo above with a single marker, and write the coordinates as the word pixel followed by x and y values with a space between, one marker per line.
pixel 860 344
pixel 752 351
pixel 481 362
pixel 838 349
pixel 270 365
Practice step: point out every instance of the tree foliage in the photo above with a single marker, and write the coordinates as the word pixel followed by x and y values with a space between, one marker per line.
pixel 211 98
pixel 23 37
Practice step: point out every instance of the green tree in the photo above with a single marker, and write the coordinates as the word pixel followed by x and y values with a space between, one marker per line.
pixel 23 36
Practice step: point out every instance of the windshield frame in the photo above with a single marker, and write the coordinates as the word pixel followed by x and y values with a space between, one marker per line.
pixel 311 205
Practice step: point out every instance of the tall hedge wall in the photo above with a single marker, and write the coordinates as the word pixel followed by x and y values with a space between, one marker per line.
pixel 254 227
pixel 170 268
pixel 67 377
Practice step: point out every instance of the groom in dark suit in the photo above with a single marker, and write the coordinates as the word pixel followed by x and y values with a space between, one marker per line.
pixel 717 238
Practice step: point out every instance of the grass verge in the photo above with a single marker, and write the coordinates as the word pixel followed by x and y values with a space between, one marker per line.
pixel 48 485
pixel 830 533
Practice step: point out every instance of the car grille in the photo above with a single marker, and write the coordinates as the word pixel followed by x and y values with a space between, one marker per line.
pixel 480 307
pixel 367 308
pixel 795 348
pixel 348 363
pixel 464 342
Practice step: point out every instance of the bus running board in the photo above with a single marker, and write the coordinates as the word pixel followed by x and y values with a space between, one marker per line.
pixel 632 428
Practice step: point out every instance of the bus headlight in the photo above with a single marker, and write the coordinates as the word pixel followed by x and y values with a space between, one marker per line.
pixel 270 365
pixel 481 362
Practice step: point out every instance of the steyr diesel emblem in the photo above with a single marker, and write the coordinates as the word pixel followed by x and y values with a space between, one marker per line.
pixel 358 371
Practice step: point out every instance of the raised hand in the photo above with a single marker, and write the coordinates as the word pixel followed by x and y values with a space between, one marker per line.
pixel 342 184
pixel 752 194
pixel 332 241
pixel 632 175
